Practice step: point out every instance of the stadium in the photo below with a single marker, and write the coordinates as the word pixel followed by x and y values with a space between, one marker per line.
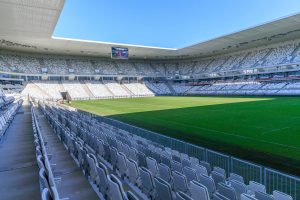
pixel 83 119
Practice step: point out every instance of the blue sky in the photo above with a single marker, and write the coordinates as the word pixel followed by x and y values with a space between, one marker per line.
pixel 165 23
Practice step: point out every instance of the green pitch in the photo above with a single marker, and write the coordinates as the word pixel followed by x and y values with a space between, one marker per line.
pixel 264 130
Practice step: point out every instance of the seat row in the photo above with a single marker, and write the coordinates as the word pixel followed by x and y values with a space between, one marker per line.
pixel 98 172
pixel 160 174
pixel 47 181
pixel 7 115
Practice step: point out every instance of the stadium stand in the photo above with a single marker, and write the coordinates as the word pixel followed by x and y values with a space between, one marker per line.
pixel 123 165
pixel 49 150
pixel 272 55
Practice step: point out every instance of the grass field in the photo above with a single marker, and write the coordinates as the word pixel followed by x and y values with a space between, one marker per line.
pixel 264 130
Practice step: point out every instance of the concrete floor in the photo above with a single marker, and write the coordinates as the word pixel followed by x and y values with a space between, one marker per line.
pixel 18 166
pixel 73 184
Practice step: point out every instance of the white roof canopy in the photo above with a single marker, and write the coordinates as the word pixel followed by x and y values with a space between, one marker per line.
pixel 29 25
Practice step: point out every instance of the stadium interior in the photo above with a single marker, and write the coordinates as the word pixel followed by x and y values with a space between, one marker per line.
pixel 51 148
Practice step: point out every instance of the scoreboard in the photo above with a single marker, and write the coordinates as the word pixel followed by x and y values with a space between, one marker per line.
pixel 119 53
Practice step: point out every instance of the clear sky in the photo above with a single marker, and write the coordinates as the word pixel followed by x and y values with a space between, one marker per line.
pixel 165 23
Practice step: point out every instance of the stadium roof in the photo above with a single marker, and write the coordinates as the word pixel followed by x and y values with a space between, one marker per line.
pixel 29 25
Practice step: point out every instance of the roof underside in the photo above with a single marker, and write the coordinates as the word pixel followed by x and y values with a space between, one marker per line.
pixel 29 25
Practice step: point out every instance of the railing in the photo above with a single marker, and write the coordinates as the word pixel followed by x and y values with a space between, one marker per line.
pixel 272 179
pixel 275 180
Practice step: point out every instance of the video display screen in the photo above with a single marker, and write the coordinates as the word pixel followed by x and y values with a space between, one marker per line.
pixel 119 53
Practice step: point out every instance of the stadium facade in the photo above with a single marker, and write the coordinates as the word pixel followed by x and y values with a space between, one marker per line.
pixel 115 160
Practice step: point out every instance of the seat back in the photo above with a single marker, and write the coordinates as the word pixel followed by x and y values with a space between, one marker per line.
pixel 165 160
pixel 183 196
pixel 263 196
pixel 100 148
pixel 209 183
pixel 116 191
pixel 236 177
pixel 239 188
pixel 152 165
pixel 163 189
pixel 255 187
pixel 164 172
pixel 147 185
pixel 220 171
pixel 102 173
pixel 226 191
pixel 176 166
pixel 200 170
pixel 218 178
pixel 131 196
pixel 92 166
pixel 281 196
pixel 218 196
pixel 198 191
pixel 179 182
pixel 141 159
pixel 186 162
pixel 190 173
pixel 206 165
pixel 132 171
pixel 113 156
pixel 133 154
pixel 194 161
pixel 43 177
pixel 121 163
pixel 46 194
pixel 247 197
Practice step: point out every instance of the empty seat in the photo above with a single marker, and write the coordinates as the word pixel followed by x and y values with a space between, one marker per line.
pixel 163 189
pixel 133 154
pixel 186 162
pixel 100 148
pixel 179 182
pixel 247 197
pixel 218 196
pixel 102 173
pixel 176 166
pixel 255 187
pixel 220 171
pixel 156 156
pixel 132 171
pixel 46 194
pixel 194 161
pixel 236 177
pixel 239 188
pixel 116 191
pixel 218 178
pixel 263 196
pixel 147 182
pixel 198 191
pixel 121 163
pixel 131 196
pixel 281 196
pixel 152 165
pixel 190 173
pixel 142 159
pixel 206 165
pixel 113 157
pixel 226 191
pixel 43 177
pixel 209 183
pixel 200 170
pixel 164 172
pixel 183 196
pixel 166 160
pixel 92 166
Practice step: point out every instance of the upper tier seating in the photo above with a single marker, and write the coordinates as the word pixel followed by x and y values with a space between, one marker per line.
pixel 267 56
